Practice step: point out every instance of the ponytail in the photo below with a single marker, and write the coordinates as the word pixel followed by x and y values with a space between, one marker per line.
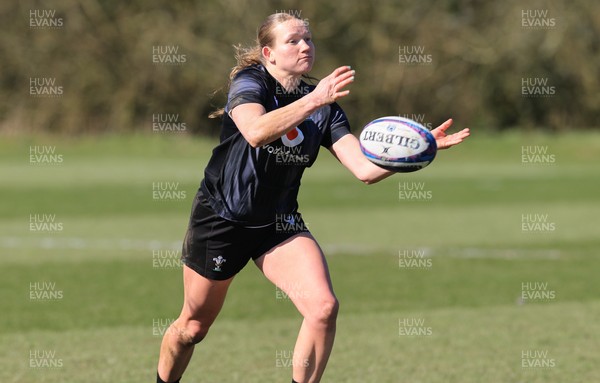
pixel 246 57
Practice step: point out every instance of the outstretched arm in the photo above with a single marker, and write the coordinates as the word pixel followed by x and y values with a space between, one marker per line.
pixel 347 151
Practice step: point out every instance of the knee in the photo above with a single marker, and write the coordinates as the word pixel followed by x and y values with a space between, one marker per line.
pixel 189 332
pixel 325 312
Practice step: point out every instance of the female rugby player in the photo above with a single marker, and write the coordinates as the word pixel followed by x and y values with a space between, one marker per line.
pixel 272 128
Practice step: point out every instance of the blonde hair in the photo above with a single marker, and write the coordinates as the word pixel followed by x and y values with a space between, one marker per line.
pixel 248 56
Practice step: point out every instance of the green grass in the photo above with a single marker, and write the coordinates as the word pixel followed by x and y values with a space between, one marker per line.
pixel 102 262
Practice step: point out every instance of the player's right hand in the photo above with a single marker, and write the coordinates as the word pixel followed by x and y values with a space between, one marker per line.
pixel 332 87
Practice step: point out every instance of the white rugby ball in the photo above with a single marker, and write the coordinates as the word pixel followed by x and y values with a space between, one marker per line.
pixel 398 144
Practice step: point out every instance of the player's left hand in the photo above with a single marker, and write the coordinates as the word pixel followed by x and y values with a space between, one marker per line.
pixel 445 141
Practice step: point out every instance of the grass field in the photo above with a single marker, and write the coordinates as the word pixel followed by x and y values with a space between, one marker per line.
pixel 90 278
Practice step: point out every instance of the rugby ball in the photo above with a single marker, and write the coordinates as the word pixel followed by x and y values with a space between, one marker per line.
pixel 398 144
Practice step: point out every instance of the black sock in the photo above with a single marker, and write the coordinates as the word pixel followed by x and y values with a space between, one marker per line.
pixel 159 380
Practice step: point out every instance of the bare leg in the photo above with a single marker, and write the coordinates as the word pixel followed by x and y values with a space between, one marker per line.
pixel 203 299
pixel 298 267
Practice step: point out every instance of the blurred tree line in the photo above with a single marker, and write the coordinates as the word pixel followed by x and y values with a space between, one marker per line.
pixel 94 66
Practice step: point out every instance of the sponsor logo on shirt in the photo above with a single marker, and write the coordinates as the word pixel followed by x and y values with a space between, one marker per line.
pixel 293 138
pixel 291 151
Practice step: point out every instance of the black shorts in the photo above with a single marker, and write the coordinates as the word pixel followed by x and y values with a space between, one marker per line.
pixel 218 249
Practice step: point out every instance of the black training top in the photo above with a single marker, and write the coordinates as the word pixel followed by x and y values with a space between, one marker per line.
pixel 251 186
